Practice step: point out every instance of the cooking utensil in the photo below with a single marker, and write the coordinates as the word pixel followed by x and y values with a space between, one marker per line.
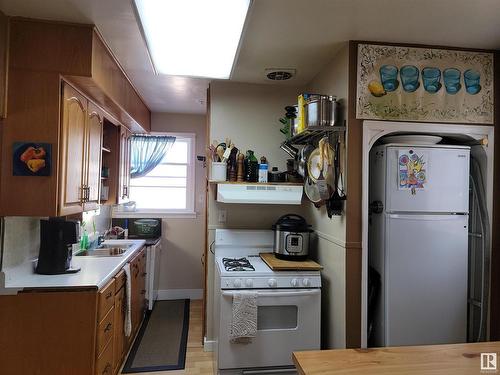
pixel 227 152
pixel 220 152
pixel 305 153
pixel 212 152
pixel 291 237
pixel 323 166
pixel 321 110
pixel 334 205
pixel 290 150
pixel 312 191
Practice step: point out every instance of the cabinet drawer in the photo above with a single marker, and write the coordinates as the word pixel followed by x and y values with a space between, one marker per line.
pixel 105 330
pixel 120 280
pixel 106 297
pixel 104 363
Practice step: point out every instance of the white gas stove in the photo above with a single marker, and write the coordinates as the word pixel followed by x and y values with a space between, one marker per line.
pixel 247 270
pixel 289 305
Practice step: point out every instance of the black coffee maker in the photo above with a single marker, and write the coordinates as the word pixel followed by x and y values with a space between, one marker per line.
pixel 56 239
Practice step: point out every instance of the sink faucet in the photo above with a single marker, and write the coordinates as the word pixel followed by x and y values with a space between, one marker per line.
pixel 112 232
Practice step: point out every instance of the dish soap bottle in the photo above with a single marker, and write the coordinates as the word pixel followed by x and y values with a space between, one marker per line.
pixel 84 241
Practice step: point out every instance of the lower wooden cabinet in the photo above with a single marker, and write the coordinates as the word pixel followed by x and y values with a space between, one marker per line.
pixel 71 332
pixel 104 364
pixel 119 338
pixel 138 294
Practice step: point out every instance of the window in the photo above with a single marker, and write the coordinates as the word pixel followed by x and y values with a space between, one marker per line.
pixel 170 186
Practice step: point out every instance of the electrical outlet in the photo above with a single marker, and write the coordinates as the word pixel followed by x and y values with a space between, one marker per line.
pixel 222 216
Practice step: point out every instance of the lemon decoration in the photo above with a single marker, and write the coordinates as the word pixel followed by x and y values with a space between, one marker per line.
pixel 376 88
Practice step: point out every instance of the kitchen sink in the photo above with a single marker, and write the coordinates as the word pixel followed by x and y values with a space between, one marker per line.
pixel 105 251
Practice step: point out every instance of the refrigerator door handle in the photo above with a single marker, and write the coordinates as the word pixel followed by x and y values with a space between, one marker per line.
pixel 376 207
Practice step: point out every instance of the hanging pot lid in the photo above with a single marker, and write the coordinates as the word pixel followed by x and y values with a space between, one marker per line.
pixel 312 191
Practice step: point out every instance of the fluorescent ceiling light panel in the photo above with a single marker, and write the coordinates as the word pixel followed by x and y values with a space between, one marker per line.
pixel 193 37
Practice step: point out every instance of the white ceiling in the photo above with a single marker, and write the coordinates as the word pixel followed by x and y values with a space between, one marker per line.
pixel 300 34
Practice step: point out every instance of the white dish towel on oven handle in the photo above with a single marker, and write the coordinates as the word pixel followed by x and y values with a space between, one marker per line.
pixel 244 324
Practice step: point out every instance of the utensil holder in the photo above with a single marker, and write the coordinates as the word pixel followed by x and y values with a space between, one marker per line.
pixel 218 171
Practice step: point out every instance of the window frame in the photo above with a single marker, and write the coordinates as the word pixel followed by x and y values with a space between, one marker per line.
pixel 189 211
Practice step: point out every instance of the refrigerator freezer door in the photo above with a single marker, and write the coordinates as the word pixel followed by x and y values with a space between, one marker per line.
pixel 444 174
pixel 425 281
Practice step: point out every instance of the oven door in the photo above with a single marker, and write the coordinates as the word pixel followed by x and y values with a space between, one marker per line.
pixel 287 320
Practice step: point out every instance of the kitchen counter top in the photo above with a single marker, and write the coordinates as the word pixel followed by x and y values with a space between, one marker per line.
pixel 95 271
pixel 421 360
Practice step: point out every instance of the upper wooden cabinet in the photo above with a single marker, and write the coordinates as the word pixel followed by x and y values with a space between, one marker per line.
pixel 72 163
pixel 124 177
pixel 93 158
pixel 42 55
pixel 80 163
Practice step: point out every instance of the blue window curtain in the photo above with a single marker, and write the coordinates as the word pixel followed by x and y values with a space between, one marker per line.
pixel 147 151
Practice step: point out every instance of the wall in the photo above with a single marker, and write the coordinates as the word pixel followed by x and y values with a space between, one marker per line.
pixel 247 114
pixel 21 240
pixel 330 247
pixel 183 239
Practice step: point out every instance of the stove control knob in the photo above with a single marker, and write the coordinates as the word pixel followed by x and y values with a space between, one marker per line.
pixel 249 283
pixel 237 283
pixel 306 282
pixel 294 282
pixel 272 283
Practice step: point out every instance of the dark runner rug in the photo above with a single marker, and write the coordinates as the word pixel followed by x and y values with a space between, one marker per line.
pixel 162 340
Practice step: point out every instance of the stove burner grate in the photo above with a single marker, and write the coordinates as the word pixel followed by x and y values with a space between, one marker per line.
pixel 237 264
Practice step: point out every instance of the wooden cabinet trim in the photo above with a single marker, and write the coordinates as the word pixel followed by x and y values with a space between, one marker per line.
pixel 104 363
pixel 105 330
pixel 106 300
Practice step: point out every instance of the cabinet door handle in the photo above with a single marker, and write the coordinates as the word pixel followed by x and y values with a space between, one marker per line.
pixel 108 296
pixel 144 274
pixel 143 291
pixel 108 327
pixel 88 193
pixel 107 369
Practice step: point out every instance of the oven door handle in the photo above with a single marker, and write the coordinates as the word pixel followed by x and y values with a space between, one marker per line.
pixel 308 292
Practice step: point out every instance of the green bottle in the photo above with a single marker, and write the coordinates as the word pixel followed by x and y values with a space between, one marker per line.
pixel 252 167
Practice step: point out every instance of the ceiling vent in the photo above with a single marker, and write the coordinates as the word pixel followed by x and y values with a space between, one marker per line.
pixel 279 74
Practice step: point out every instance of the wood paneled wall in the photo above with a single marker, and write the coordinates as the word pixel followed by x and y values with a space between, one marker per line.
pixel 4 43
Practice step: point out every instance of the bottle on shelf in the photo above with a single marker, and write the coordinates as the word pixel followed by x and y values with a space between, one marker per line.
pixel 263 169
pixel 252 167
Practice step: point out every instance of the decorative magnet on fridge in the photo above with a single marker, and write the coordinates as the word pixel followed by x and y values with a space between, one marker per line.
pixel 412 170
pixel 31 159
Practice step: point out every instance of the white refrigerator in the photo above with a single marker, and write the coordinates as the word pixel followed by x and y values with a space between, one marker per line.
pixel 419 199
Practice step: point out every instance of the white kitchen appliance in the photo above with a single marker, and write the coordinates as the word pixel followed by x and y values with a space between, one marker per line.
pixel 153 253
pixel 288 312
pixel 418 243
pixel 260 194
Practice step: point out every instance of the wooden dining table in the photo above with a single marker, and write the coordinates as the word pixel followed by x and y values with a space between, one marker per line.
pixel 411 360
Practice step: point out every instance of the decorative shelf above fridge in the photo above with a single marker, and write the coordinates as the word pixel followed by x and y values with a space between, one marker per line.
pixel 259 193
